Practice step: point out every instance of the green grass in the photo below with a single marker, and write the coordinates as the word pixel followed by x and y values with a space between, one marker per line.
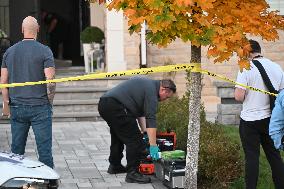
pixel 264 179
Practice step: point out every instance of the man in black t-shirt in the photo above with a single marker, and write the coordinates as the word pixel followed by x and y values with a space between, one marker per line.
pixel 57 33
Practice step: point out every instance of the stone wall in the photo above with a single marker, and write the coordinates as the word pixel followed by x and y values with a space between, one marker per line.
pixel 131 48
pixel 179 52
pixel 229 109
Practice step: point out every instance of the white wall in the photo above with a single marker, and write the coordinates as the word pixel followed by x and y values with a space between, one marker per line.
pixel 276 5
pixel 98 15
pixel 114 35
pixel 111 22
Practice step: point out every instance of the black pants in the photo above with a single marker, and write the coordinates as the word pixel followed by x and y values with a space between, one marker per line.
pixel 123 130
pixel 254 133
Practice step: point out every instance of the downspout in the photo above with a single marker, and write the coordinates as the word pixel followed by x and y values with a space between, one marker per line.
pixel 143 46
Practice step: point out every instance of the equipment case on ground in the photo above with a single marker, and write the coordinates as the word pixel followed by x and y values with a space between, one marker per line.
pixel 171 172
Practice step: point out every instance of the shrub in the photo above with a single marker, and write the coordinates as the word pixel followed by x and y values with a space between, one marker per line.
pixel 2 34
pixel 219 157
pixel 92 34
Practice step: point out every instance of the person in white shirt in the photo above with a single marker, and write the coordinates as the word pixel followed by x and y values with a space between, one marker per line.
pixel 255 118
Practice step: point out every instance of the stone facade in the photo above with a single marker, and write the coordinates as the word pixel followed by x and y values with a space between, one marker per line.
pixel 179 52
pixel 228 111
pixel 131 48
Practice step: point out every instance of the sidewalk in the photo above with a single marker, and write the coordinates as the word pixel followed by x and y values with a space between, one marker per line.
pixel 80 151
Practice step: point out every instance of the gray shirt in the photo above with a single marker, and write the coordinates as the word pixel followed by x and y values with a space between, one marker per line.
pixel 140 96
pixel 25 62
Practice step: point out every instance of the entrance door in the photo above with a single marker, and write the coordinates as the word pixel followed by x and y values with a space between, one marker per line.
pixel 74 14
pixel 18 11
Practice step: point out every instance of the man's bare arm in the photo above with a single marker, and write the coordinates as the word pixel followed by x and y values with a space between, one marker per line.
pixel 240 94
pixel 142 123
pixel 152 132
pixel 49 75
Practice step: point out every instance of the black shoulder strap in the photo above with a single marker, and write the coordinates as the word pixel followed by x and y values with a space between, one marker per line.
pixel 264 76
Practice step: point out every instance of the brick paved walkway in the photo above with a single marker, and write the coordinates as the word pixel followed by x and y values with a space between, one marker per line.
pixel 80 151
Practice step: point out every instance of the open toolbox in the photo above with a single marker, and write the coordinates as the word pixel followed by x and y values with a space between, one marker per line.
pixel 166 141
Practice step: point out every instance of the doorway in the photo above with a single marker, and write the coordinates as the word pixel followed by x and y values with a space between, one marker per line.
pixel 75 14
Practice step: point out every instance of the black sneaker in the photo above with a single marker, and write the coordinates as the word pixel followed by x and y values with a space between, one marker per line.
pixel 136 177
pixel 116 169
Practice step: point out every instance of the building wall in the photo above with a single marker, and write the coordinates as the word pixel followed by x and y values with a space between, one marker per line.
pixel 179 52
pixel 98 15
pixel 131 48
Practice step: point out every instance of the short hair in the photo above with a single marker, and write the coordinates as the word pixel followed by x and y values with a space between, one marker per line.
pixel 169 84
pixel 255 47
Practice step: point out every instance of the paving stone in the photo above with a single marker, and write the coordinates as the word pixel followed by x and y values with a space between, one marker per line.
pixel 74 165
pixel 80 151
pixel 84 184
pixel 85 172
pixel 68 181
pixel 86 160
pixel 96 180
pixel 70 161
pixel 116 179
pixel 68 186
pixel 106 184
pixel 91 147
pixel 106 175
pixel 134 185
pixel 61 165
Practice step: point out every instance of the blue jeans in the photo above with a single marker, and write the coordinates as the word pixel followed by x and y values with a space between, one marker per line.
pixel 40 118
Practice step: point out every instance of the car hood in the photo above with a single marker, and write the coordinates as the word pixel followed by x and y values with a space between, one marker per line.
pixel 15 166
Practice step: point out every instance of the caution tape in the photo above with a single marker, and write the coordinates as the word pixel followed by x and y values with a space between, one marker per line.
pixel 236 83
pixel 192 67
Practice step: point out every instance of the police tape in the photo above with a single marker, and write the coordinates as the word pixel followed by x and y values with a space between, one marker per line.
pixel 236 83
pixel 192 67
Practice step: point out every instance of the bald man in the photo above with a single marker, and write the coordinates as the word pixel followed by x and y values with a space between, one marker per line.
pixel 29 60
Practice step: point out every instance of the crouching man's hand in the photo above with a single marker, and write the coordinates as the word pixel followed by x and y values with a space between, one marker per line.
pixel 154 152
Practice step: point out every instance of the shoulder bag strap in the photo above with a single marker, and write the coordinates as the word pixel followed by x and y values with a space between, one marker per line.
pixel 264 76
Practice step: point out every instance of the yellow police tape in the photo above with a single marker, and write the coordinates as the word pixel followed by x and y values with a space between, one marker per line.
pixel 192 67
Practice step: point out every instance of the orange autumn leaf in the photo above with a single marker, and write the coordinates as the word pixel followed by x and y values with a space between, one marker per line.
pixel 246 50
pixel 212 52
pixel 129 12
pixel 184 2
pixel 244 64
pixel 240 52
pixel 221 25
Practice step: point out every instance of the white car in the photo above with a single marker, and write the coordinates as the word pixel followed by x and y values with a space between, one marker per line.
pixel 20 172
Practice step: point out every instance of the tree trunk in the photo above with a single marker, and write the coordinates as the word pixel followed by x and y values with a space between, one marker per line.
pixel 194 122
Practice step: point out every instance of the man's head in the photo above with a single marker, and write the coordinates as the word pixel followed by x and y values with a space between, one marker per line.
pixel 167 89
pixel 255 48
pixel 30 27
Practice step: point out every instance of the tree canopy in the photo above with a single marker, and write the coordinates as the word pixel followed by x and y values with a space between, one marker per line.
pixel 221 24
